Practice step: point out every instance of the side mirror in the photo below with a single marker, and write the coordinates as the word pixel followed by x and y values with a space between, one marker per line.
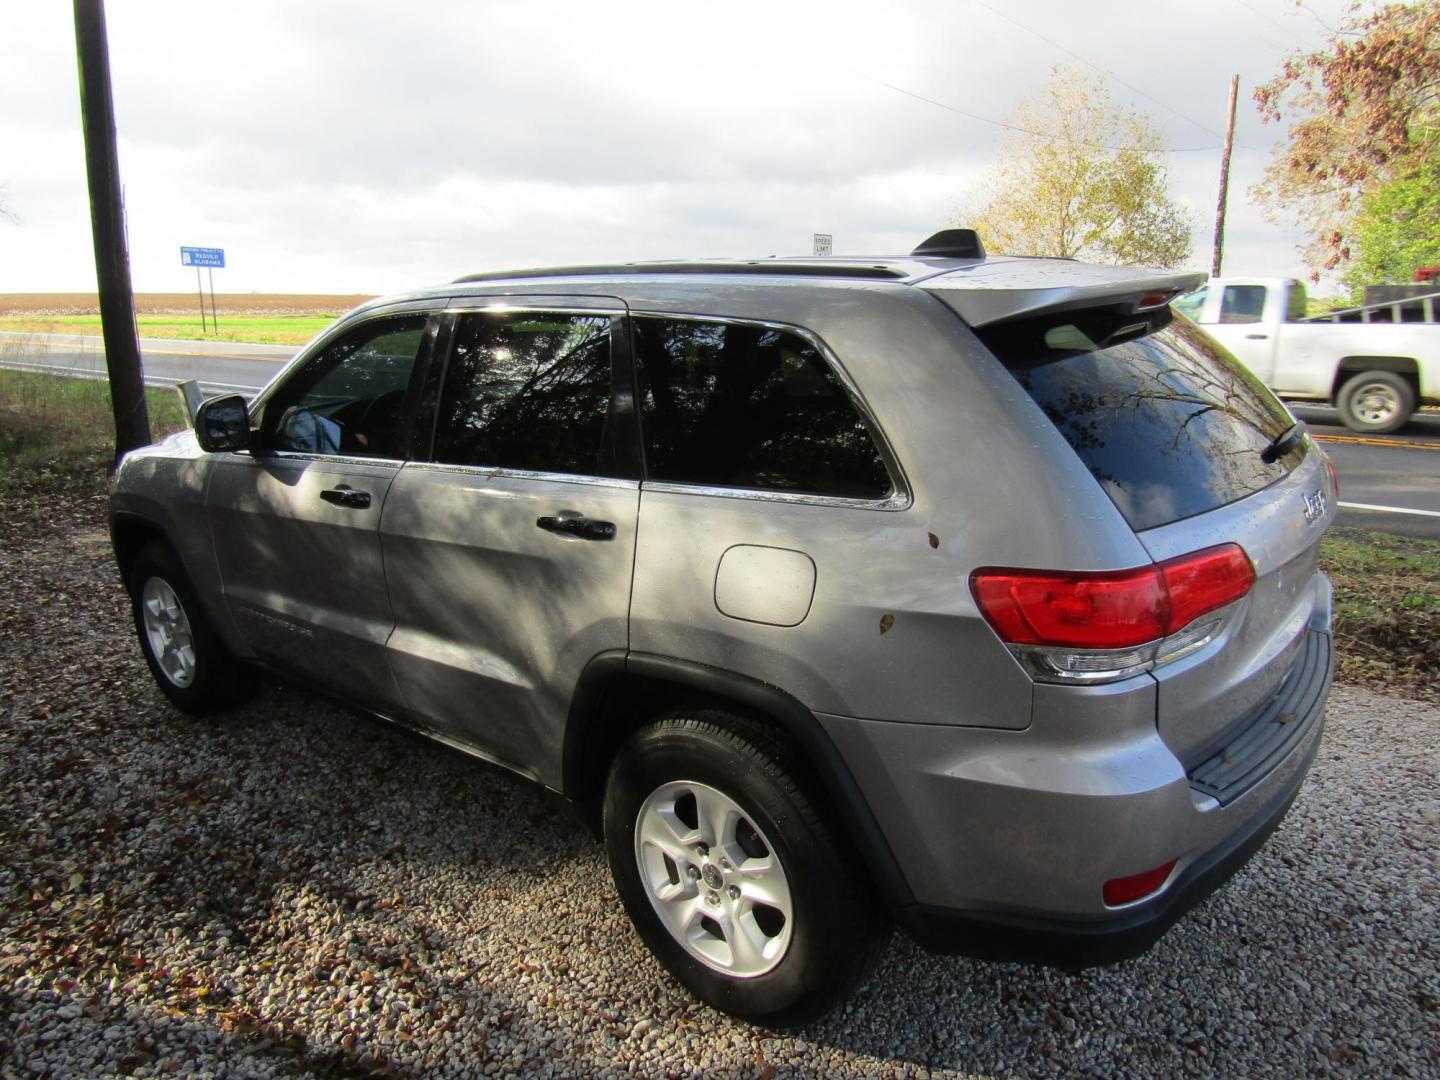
pixel 223 424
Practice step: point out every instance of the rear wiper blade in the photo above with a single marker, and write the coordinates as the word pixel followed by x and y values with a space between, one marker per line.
pixel 1283 443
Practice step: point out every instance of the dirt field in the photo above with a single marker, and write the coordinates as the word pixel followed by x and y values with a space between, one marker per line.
pixel 181 304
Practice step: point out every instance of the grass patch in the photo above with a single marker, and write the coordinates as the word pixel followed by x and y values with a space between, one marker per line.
pixel 1387 609
pixel 60 433
pixel 266 329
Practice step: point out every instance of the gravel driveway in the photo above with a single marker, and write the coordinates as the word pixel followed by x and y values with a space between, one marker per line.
pixel 294 890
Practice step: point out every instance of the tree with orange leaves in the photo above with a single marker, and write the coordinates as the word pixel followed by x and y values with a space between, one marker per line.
pixel 1364 114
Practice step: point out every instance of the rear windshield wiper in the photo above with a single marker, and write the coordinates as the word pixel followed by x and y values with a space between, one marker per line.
pixel 1283 443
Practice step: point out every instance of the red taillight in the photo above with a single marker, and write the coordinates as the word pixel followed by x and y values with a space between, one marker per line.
pixel 1334 477
pixel 1126 890
pixel 1156 299
pixel 1113 609
pixel 1205 581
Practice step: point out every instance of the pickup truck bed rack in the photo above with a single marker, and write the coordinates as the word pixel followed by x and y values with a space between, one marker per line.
pixel 1411 309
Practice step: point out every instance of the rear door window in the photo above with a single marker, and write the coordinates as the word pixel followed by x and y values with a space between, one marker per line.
pixel 745 406
pixel 529 391
pixel 1168 422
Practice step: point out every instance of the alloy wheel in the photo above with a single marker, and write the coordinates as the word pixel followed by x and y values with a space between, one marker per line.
pixel 167 628
pixel 714 878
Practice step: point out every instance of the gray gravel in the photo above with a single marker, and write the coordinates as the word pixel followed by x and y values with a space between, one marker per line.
pixel 295 890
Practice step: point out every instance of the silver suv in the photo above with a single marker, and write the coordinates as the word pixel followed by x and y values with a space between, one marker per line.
pixel 973 594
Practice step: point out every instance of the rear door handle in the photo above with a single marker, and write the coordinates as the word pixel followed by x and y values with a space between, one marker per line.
pixel 345 495
pixel 1256 337
pixel 582 527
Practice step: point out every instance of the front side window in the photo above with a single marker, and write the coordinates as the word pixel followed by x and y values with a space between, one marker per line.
pixel 1242 303
pixel 743 406
pixel 350 399
pixel 528 390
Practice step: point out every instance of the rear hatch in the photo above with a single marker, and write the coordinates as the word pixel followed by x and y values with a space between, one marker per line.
pixel 1193 451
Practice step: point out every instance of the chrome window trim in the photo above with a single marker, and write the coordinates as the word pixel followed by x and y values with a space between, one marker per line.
pixel 508 305
pixel 900 495
pixel 896 501
pixel 523 474
pixel 329 459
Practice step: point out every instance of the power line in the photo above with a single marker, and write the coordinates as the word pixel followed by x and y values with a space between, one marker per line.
pixel 1109 74
pixel 1277 24
pixel 1003 124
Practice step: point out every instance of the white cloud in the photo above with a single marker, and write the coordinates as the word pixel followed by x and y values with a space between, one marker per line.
pixel 373 146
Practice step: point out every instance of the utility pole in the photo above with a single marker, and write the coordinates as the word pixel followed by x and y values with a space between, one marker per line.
pixel 112 259
pixel 1224 177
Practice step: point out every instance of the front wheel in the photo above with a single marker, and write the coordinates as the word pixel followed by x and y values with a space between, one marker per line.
pixel 734 872
pixel 186 657
pixel 1378 402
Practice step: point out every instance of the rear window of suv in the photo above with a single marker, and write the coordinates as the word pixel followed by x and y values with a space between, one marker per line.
pixel 1169 423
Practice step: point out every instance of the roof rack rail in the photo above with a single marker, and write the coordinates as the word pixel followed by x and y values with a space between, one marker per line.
pixel 808 268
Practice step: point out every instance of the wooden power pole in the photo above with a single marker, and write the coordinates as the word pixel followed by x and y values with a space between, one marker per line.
pixel 112 260
pixel 1224 178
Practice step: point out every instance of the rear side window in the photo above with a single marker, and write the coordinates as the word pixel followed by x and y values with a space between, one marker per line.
pixel 744 406
pixel 528 390
pixel 1168 422
pixel 1297 305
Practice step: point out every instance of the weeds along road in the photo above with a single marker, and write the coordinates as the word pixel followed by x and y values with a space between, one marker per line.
pixel 1390 483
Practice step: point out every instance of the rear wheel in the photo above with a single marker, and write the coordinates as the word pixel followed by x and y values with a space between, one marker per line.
pixel 1376 401
pixel 189 663
pixel 734 872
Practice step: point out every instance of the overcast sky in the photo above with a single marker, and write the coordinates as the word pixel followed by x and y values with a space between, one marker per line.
pixel 365 147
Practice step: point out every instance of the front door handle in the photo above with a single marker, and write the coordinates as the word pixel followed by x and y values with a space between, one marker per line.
pixel 1256 337
pixel 582 527
pixel 345 495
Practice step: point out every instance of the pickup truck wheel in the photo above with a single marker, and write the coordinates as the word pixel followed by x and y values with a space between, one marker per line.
pixel 734 872
pixel 1376 401
pixel 187 659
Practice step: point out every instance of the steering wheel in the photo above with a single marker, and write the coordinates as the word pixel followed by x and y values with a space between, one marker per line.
pixel 379 421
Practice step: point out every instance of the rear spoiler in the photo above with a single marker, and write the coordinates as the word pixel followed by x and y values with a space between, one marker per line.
pixel 999 291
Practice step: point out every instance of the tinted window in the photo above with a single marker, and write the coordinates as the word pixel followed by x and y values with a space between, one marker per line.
pixel 1168 422
pixel 350 399
pixel 1297 305
pixel 1191 303
pixel 1242 303
pixel 528 390
pixel 749 407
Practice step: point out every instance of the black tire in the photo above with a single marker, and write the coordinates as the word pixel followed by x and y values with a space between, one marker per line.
pixel 1377 402
pixel 837 926
pixel 217 681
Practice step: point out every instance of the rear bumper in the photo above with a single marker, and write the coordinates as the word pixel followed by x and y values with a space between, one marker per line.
pixel 1007 838
pixel 1091 943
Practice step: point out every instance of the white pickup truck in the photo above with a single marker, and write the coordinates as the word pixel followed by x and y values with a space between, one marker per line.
pixel 1377 373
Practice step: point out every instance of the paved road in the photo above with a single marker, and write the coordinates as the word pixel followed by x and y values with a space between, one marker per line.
pixel 1400 471
pixel 220 367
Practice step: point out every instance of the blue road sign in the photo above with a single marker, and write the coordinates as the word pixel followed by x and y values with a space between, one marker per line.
pixel 212 257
